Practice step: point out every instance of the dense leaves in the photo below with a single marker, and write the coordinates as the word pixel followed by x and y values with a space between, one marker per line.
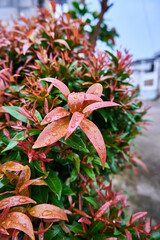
pixel 68 115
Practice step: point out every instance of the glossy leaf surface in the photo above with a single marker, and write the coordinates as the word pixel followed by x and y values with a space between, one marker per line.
pixel 48 211
pixel 15 201
pixel 95 137
pixel 55 114
pixel 52 133
pixel 20 221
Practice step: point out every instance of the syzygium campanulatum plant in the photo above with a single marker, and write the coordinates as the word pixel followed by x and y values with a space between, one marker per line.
pixel 68 119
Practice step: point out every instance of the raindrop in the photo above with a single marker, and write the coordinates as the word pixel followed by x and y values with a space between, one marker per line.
pixel 8 222
pixel 32 212
pixel 46 213
pixel 48 119
pixel 59 114
pixel 3 222
pixel 48 142
pixel 22 200
pixel 73 125
pixel 95 137
pixel 24 225
pixel 54 134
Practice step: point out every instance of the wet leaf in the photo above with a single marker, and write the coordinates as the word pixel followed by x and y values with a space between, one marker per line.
pixel 95 89
pixel 20 221
pixel 76 142
pixel 92 97
pixel 98 105
pixel 75 101
pixel 13 111
pixel 135 217
pixel 52 133
pixel 58 84
pixel 74 123
pixel 15 201
pixel 48 211
pixel 95 137
pixel 55 114
pixel 13 166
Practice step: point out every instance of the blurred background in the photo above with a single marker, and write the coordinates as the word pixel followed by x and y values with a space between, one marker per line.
pixel 133 25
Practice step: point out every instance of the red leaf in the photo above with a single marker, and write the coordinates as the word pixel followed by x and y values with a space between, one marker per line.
pixel 62 41
pixel 75 101
pixel 157 227
pixel 55 114
pixel 128 235
pixel 92 97
pixel 81 213
pixel 139 162
pixel 20 221
pixel 74 123
pixel 3 231
pixel 98 105
pixel 24 177
pixel 105 77
pixel 58 84
pixel 110 238
pixel 95 89
pixel 13 166
pixel 15 201
pixel 95 137
pixel 36 181
pixel 41 228
pixel 48 211
pixel 103 209
pixel 84 220
pixel 135 217
pixel 52 133
pixel 4 213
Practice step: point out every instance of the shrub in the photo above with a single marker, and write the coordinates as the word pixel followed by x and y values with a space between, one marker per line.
pixel 54 177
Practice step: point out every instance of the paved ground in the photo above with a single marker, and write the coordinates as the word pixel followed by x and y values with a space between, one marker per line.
pixel 144 190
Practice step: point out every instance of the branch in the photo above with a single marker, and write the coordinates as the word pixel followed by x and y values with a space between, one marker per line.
pixel 104 9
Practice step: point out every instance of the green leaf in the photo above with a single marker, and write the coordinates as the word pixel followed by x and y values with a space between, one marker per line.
pixel 75 142
pixel 96 227
pixel 54 183
pixel 89 171
pixel 37 165
pixel 4 182
pixel 92 201
pixel 38 116
pixel 13 112
pixel 98 162
pixel 40 194
pixel 50 234
pixel 76 228
pixel 55 201
pixel 42 66
pixel 66 190
pixel 75 158
pixel 73 175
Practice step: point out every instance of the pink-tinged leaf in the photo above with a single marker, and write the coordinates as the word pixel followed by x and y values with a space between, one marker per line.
pixel 84 220
pixel 19 221
pixel 36 181
pixel 24 177
pixel 135 217
pixel 95 137
pixel 102 210
pixel 48 211
pixel 75 102
pixel 128 235
pixel 95 89
pixel 44 230
pixel 139 162
pixel 63 42
pixel 3 231
pixel 55 114
pixel 13 166
pixel 26 46
pixel 15 234
pixel 4 213
pixel 74 123
pixel 15 201
pixel 82 213
pixel 98 105
pixel 52 133
pixel 64 227
pixel 58 84
pixel 41 228
pixel 105 77
pixel 92 97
